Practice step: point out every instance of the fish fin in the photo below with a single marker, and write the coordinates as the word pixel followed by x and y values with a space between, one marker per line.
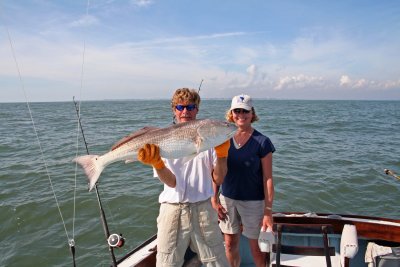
pixel 198 143
pixel 92 168
pixel 131 158
pixel 136 134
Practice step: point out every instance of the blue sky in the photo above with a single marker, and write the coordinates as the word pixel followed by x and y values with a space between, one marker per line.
pixel 145 49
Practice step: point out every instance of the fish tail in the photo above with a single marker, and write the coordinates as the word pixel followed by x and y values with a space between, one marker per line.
pixel 92 168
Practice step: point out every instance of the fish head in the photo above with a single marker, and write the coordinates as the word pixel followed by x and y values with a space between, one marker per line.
pixel 215 132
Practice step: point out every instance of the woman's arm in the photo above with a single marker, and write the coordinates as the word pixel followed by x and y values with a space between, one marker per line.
pixel 266 163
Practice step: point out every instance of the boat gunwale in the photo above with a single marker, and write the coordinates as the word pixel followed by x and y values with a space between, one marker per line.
pixel 368 227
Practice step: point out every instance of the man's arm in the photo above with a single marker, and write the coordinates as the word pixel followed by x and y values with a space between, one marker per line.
pixel 220 171
pixel 221 167
pixel 166 176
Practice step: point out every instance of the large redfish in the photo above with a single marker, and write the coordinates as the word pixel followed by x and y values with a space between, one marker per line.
pixel 185 139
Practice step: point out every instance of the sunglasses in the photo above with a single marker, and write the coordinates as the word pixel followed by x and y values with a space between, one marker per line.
pixel 188 107
pixel 241 110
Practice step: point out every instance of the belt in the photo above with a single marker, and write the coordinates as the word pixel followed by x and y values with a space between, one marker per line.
pixel 187 204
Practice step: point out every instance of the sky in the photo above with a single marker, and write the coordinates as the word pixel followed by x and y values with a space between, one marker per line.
pixel 145 49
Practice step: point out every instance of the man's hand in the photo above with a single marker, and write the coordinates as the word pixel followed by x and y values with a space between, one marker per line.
pixel 150 154
pixel 222 149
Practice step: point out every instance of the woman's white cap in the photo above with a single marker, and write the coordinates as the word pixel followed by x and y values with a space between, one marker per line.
pixel 242 101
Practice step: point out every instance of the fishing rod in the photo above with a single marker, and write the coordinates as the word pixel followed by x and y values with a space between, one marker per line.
pixel 391 173
pixel 198 91
pixel 113 240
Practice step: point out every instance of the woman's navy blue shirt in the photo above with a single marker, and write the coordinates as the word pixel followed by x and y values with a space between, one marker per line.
pixel 244 179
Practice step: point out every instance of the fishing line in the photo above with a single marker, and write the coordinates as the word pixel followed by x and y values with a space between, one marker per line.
pixel 71 241
pixel 33 124
pixel 79 123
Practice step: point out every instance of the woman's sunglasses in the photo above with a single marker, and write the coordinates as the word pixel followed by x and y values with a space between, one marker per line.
pixel 188 107
pixel 240 110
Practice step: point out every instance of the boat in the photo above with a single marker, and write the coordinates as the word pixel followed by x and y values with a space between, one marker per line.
pixel 355 240
pixel 371 234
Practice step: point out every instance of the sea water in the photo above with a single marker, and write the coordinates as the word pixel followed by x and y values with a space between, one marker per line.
pixel 330 157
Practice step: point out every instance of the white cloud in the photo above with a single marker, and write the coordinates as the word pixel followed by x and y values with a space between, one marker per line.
pixel 311 48
pixel 299 81
pixel 345 80
pixel 391 84
pixel 252 70
pixel 142 3
pixel 86 20
pixel 362 83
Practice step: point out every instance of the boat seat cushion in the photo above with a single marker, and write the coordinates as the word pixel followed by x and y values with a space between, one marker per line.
pixel 306 261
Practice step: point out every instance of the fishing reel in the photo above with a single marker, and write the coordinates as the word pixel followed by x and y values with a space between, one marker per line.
pixel 116 240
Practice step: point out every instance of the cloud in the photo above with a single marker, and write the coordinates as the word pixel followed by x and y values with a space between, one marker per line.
pixel 298 82
pixel 391 84
pixel 326 48
pixel 346 82
pixel 362 83
pixel 86 20
pixel 179 40
pixel 252 69
pixel 142 3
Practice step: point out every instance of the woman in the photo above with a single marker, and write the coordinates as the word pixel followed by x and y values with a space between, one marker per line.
pixel 247 192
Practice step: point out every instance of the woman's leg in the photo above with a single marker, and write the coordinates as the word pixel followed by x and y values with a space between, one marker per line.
pixel 260 258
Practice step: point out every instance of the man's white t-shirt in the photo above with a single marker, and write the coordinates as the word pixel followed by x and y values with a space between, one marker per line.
pixel 193 178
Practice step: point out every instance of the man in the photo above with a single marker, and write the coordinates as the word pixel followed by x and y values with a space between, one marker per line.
pixel 186 215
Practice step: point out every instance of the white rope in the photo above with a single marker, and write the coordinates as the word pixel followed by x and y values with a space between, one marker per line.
pixel 34 126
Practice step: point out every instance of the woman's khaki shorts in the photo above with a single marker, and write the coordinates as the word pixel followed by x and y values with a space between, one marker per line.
pixel 239 212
